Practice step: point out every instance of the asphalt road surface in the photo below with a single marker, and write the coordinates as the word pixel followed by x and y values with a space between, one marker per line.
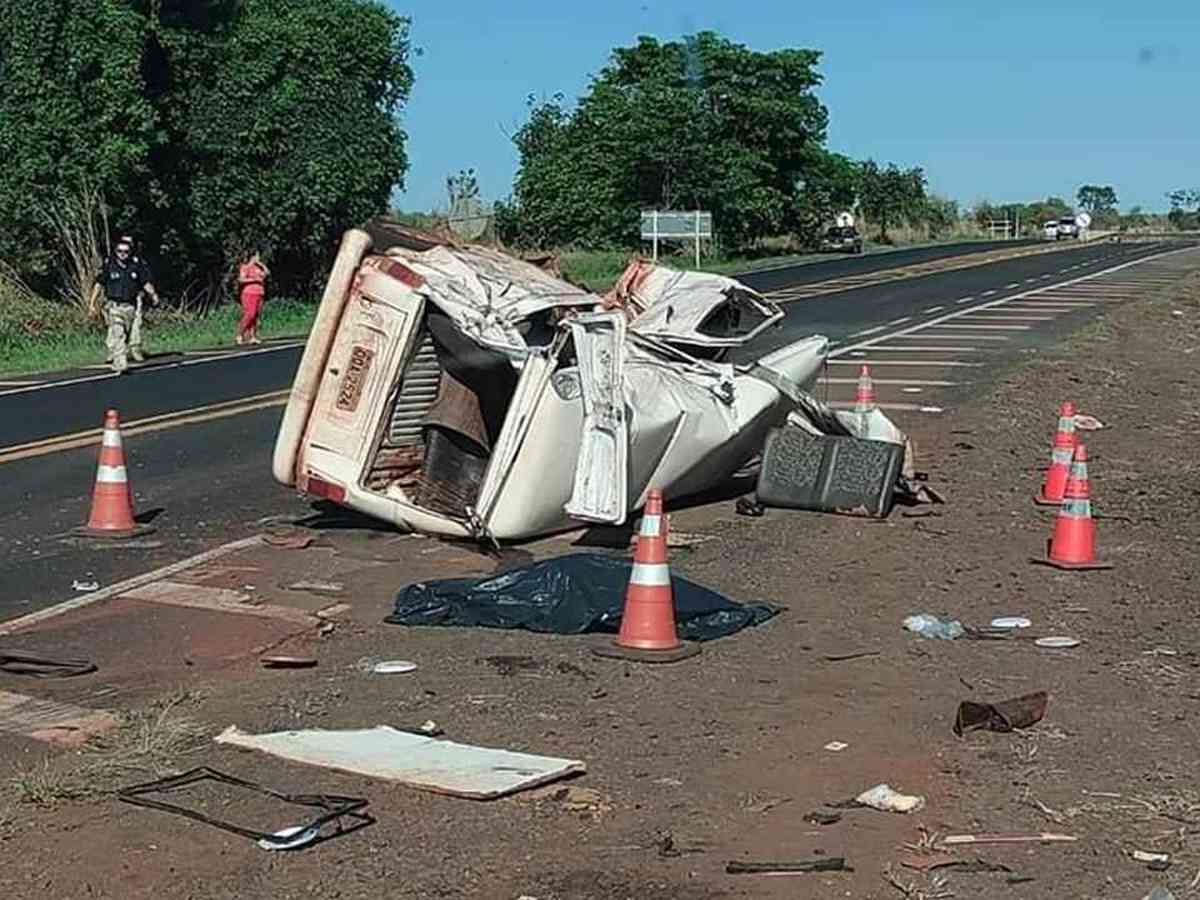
pixel 207 483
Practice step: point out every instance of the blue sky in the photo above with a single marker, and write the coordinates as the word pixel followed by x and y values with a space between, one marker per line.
pixel 1011 101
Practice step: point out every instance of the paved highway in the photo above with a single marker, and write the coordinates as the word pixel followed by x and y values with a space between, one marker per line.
pixel 209 482
pixel 75 402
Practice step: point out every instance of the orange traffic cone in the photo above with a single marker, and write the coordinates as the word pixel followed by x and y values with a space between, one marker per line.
pixel 1061 453
pixel 648 623
pixel 864 396
pixel 1073 546
pixel 112 499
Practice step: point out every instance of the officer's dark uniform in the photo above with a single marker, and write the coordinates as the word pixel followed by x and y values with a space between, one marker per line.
pixel 122 283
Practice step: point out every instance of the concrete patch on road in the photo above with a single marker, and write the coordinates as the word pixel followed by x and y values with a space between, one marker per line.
pixel 195 596
pixel 51 721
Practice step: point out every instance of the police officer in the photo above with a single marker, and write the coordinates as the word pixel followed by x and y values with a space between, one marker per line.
pixel 123 279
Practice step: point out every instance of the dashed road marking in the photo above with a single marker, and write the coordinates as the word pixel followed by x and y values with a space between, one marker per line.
pixel 899 321
pixel 932 310
pixel 919 363
pixel 964 300
pixel 866 331
pixel 968 325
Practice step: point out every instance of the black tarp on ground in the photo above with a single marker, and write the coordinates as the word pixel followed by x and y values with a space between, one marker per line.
pixel 574 594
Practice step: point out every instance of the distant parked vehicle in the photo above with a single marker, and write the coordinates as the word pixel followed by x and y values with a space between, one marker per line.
pixel 843 240
pixel 1068 227
pixel 1050 231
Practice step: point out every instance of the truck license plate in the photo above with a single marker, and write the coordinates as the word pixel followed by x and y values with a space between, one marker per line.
pixel 350 391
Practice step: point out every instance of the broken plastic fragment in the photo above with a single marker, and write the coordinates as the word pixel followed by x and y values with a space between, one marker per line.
pixel 928 626
pixel 292 838
pixel 883 798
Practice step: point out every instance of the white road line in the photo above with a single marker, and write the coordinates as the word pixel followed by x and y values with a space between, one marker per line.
pixel 916 381
pixel 875 342
pixel 965 300
pixel 47 385
pixel 988 293
pixel 951 337
pixel 899 321
pixel 968 325
pixel 932 310
pixel 1030 280
pixel 919 363
pixel 1013 285
pixel 864 333
pixel 927 349
pixel 121 587
pixel 1018 316
pixel 899 407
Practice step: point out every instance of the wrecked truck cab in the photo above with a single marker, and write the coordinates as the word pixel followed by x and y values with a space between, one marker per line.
pixel 459 391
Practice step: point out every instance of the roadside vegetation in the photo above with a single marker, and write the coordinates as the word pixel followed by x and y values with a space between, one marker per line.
pixel 183 122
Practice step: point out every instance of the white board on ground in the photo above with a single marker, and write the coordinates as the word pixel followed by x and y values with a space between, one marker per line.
pixel 444 767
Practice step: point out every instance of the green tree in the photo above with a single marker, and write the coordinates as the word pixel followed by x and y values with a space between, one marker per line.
pixel 891 195
pixel 72 111
pixel 1097 199
pixel 218 124
pixel 293 135
pixel 940 215
pixel 697 123
pixel 830 185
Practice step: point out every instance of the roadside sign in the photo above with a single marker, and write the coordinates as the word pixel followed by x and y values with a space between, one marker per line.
pixel 1083 220
pixel 844 220
pixel 676 225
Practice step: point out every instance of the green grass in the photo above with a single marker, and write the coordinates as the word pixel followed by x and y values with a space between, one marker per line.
pixel 42 336
pixel 597 270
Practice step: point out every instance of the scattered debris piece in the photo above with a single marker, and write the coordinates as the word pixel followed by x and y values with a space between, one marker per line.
pixel 85 585
pixel 288 662
pixel 1057 642
pixel 1158 861
pixel 294 540
pixel 665 844
pixel 668 782
pixel 289 838
pixel 1087 423
pixel 1007 715
pixel 394 667
pixel 823 817
pixel 1159 893
pixel 584 800
pixel 24 662
pixel 836 746
pixel 332 808
pixel 748 506
pixel 764 806
pixel 1044 837
pixel 572 594
pixel 1010 622
pixel 930 626
pixel 853 654
pixel 444 767
pixel 927 862
pixel 316 587
pixel 829 864
pixel 884 799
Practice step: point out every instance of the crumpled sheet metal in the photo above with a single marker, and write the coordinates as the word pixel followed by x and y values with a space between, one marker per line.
pixel 671 305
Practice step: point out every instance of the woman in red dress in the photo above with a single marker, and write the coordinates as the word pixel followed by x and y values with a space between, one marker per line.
pixel 252 280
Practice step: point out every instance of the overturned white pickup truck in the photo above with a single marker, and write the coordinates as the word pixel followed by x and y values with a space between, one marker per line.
pixel 459 391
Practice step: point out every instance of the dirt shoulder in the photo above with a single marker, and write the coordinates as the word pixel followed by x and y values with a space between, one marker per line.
pixel 721 757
